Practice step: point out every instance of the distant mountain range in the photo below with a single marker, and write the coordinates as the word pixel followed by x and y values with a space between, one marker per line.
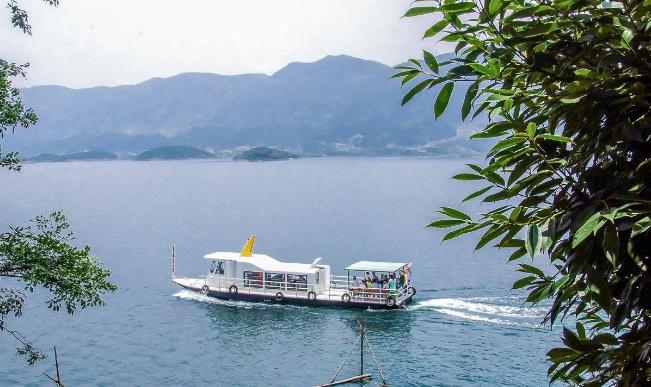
pixel 338 104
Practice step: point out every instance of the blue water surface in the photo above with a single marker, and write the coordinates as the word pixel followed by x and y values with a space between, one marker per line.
pixel 465 328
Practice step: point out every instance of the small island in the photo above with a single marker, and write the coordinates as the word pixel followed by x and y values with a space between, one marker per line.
pixel 263 153
pixel 77 156
pixel 174 152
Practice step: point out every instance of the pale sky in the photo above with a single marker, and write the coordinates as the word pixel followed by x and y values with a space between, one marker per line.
pixel 85 43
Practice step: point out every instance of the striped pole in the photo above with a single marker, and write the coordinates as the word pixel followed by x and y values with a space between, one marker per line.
pixel 173 261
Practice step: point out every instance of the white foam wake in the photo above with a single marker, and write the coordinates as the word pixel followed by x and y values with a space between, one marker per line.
pixel 474 317
pixel 465 305
pixel 493 310
pixel 190 295
pixel 195 296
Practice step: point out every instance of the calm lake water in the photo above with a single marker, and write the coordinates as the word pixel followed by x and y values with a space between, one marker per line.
pixel 465 328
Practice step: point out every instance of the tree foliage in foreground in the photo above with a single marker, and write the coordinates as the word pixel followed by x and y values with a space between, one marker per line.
pixel 40 255
pixel 566 85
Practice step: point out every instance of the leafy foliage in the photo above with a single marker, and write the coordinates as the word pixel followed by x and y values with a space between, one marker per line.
pixel 566 85
pixel 40 255
pixel 19 17
pixel 12 111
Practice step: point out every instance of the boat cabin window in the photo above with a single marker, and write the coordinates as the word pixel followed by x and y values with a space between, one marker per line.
pixel 217 267
pixel 297 281
pixel 316 277
pixel 253 279
pixel 274 280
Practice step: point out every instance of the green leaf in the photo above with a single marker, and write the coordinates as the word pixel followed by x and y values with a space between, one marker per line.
pixel 524 268
pixel 443 99
pixel 410 76
pixel 531 129
pixel 580 330
pixel 490 235
pixel 436 28
pixel 467 176
pixel 522 282
pixel 405 73
pixel 457 7
pixel 533 240
pixel 417 11
pixel 610 244
pixel 517 254
pixel 494 7
pixel 443 223
pixel 459 231
pixel 475 167
pixel 589 227
pixel 538 29
pixel 431 62
pixel 506 143
pixel 482 69
pixel 627 36
pixel 494 178
pixel 454 213
pixel 641 226
pixel 417 63
pixel 471 93
pixel 555 138
pixel 518 170
pixel 477 193
pixel 415 90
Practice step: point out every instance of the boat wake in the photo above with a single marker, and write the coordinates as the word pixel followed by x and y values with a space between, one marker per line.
pixel 494 310
pixel 194 296
pixel 491 310
pixel 190 295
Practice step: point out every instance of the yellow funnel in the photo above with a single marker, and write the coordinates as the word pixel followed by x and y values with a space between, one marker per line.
pixel 247 250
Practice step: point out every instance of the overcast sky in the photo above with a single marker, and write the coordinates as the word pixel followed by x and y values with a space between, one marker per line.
pixel 86 43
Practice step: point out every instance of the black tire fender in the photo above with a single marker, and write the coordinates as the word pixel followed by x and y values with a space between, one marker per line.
pixel 390 301
pixel 204 289
pixel 311 295
pixel 232 289
pixel 345 298
pixel 280 296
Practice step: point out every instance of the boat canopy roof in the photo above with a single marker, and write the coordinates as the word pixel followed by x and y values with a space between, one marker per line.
pixel 265 262
pixel 376 266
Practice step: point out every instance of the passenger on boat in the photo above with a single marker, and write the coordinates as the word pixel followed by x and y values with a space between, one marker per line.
pixel 356 283
pixel 376 281
pixel 392 285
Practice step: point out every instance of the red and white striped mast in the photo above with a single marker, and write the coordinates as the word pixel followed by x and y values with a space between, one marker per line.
pixel 173 261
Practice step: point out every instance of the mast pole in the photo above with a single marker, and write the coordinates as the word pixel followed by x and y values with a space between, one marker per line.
pixel 361 351
pixel 173 260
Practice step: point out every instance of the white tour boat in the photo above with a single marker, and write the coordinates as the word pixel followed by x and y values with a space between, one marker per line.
pixel 261 278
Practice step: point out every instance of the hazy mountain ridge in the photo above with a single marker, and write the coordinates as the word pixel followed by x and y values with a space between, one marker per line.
pixel 336 104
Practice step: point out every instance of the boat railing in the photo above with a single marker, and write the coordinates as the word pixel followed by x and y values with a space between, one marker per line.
pixel 336 290
pixel 380 295
pixel 196 282
pixel 248 285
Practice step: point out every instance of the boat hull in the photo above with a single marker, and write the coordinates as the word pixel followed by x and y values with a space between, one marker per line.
pixel 271 299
